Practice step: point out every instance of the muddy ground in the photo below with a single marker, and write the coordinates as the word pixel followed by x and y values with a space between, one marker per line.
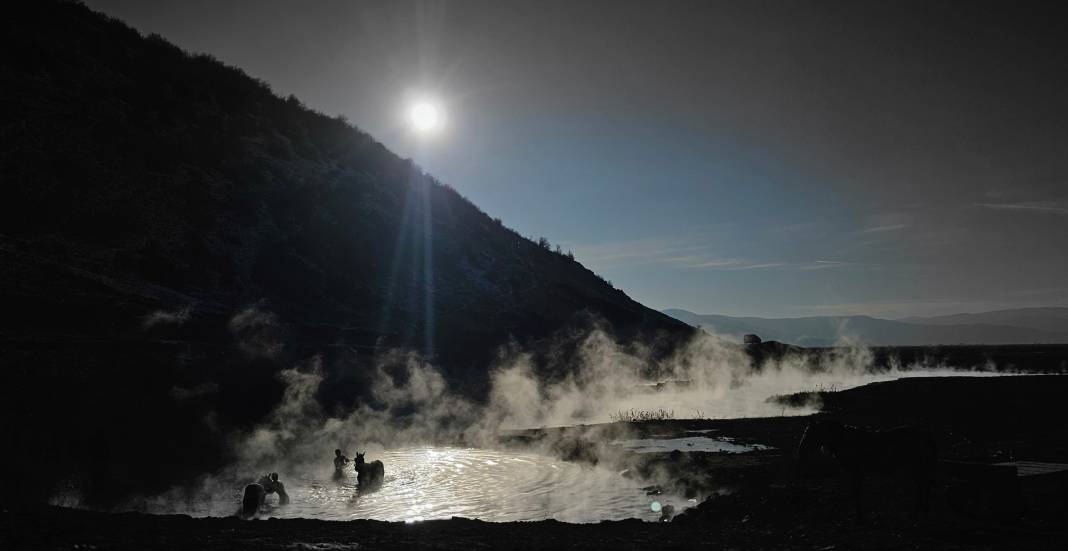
pixel 768 503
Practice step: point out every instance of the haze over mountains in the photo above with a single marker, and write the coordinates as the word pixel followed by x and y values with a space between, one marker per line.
pixel 1017 326
pixel 1054 320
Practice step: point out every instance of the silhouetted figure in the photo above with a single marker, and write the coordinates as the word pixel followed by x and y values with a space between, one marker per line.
pixel 909 451
pixel 368 474
pixel 339 464
pixel 252 500
pixel 256 493
pixel 272 485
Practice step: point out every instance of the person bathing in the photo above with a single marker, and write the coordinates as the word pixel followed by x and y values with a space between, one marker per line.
pixel 339 464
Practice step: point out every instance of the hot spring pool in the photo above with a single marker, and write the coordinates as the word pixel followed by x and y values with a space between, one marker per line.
pixel 424 483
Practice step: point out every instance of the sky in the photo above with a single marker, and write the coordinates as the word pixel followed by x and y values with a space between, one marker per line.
pixel 776 159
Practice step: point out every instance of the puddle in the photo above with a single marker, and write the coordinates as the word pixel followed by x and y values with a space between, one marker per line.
pixel 688 444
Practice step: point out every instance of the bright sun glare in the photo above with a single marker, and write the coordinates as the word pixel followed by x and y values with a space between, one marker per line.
pixel 426 117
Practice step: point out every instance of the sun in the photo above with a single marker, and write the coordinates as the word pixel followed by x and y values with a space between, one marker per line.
pixel 426 117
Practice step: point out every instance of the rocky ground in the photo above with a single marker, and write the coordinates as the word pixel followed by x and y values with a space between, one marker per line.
pixel 55 528
pixel 768 504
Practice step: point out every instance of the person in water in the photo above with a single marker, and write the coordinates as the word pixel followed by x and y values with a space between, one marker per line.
pixel 256 493
pixel 339 464
pixel 271 485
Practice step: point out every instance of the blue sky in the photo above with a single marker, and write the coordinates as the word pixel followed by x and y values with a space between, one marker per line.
pixel 771 159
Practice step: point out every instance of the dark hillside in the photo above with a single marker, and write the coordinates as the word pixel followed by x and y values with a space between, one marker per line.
pixel 172 234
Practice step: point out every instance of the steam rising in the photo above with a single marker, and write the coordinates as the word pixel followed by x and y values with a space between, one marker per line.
pixel 410 403
pixel 163 317
pixel 257 331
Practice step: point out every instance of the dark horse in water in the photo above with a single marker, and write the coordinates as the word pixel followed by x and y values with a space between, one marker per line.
pixel 256 494
pixel 908 451
pixel 368 474
pixel 252 500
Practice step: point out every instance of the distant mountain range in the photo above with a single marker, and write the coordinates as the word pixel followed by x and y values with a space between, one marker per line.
pixel 1017 326
pixel 1054 320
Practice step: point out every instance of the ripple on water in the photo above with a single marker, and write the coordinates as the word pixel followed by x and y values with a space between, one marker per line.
pixel 433 482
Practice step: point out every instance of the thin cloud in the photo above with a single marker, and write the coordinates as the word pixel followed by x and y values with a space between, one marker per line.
pixel 824 265
pixel 1040 207
pixel 719 263
pixel 734 264
pixel 636 252
pixel 677 254
pixel 683 255
pixel 887 228
pixel 760 266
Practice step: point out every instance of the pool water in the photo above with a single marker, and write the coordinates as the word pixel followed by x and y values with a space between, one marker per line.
pixel 423 483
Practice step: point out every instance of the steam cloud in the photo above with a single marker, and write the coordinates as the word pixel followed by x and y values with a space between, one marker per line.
pixel 417 406
pixel 411 403
pixel 163 317
pixel 257 331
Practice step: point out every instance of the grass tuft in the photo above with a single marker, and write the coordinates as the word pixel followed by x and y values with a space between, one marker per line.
pixel 637 415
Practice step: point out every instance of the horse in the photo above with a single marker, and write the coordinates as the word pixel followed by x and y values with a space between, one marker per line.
pixel 368 474
pixel 908 451
pixel 256 494
pixel 252 500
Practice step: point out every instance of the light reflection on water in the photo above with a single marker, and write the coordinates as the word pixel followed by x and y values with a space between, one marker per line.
pixel 425 483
